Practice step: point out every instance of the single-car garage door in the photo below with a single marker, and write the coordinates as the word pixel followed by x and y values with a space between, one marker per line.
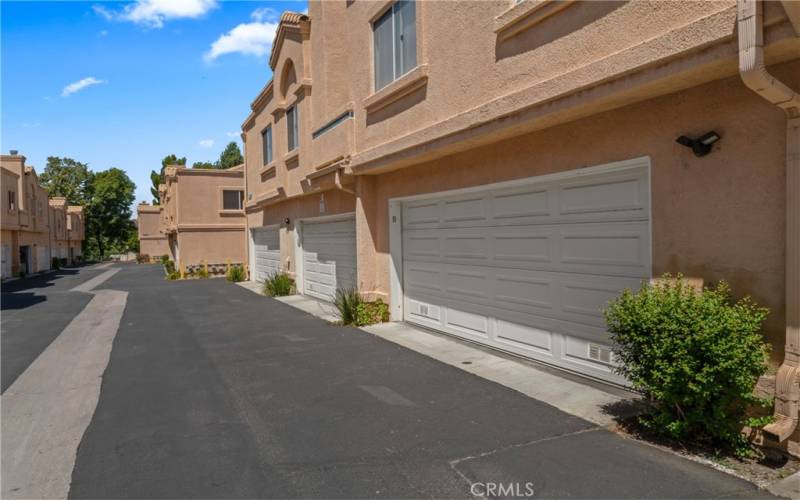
pixel 329 256
pixel 528 266
pixel 267 252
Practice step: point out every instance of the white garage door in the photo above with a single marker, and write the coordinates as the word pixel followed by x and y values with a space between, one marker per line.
pixel 329 257
pixel 528 267
pixel 6 261
pixel 267 250
pixel 42 258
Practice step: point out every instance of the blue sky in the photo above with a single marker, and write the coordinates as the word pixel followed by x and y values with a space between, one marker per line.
pixel 123 84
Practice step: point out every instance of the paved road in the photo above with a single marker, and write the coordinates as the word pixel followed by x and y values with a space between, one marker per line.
pixel 214 392
pixel 34 312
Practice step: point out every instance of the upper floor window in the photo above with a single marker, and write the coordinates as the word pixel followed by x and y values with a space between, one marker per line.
pixel 266 145
pixel 291 127
pixel 395 34
pixel 232 199
pixel 12 201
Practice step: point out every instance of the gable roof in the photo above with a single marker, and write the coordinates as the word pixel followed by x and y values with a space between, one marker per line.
pixel 290 21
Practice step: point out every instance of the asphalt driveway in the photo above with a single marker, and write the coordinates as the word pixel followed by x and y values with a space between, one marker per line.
pixel 215 392
pixel 34 312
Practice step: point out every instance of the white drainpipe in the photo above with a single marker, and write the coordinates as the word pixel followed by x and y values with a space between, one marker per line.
pixel 755 76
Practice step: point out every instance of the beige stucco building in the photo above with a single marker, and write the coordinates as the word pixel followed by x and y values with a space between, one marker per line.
pixel 201 217
pixel 152 240
pixel 35 229
pixel 499 170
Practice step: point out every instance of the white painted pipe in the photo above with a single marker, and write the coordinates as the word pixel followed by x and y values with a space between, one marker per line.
pixel 755 75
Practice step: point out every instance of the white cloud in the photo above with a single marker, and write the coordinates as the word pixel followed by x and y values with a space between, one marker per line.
pixel 233 134
pixel 80 85
pixel 153 13
pixel 253 38
pixel 206 143
pixel 103 33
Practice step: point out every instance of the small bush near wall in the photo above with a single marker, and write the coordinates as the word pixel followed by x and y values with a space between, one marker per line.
pixel 164 259
pixel 369 313
pixel 279 285
pixel 173 275
pixel 696 355
pixel 235 274
pixel 354 310
pixel 201 273
pixel 169 267
pixel 63 261
pixel 55 263
pixel 142 258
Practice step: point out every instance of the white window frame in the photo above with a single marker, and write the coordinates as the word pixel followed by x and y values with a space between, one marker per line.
pixel 391 12
pixel 240 198
pixel 292 128
pixel 266 145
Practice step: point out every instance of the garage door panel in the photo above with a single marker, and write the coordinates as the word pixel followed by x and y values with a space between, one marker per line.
pixel 613 249
pixel 329 257
pixel 525 336
pixel 266 246
pixel 529 269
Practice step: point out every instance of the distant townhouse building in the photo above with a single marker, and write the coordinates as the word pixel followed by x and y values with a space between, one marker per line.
pixel 202 215
pixel 59 239
pixel 76 233
pixel 35 229
pixel 500 170
pixel 25 222
pixel 152 239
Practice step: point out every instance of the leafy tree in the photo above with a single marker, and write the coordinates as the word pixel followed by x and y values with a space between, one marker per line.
pixel 204 164
pixel 108 210
pixel 231 156
pixel 157 178
pixel 66 177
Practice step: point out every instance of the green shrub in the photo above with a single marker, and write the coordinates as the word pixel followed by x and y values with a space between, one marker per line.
pixel 164 259
pixel 173 275
pixel 695 355
pixel 347 301
pixel 55 263
pixel 142 258
pixel 354 310
pixel 369 313
pixel 169 267
pixel 235 274
pixel 201 273
pixel 279 285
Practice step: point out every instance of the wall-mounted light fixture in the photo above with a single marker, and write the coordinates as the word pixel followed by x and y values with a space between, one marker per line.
pixel 700 146
pixel 286 221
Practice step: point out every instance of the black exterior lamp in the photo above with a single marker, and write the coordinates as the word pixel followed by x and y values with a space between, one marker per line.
pixel 700 146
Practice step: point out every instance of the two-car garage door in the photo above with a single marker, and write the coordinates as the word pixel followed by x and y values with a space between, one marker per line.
pixel 528 266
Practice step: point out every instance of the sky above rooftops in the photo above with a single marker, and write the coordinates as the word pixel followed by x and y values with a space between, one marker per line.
pixel 123 84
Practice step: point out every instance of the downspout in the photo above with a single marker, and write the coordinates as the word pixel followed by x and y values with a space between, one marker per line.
pixel 244 209
pixel 754 74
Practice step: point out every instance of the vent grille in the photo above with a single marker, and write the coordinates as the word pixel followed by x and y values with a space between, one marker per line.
pixel 423 309
pixel 600 353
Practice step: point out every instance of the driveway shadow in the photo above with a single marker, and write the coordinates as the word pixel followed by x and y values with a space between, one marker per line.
pixel 39 281
pixel 20 300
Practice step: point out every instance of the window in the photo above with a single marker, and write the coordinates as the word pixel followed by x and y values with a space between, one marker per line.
pixel 395 35
pixel 291 126
pixel 266 145
pixel 232 200
pixel 12 201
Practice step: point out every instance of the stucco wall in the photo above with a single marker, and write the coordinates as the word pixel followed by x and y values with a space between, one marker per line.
pixel 199 198
pixel 213 247
pixel 154 247
pixel 720 217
